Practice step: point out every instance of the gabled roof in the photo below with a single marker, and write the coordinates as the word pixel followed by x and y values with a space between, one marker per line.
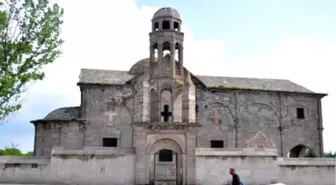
pixel 252 84
pixel 99 76
pixel 113 77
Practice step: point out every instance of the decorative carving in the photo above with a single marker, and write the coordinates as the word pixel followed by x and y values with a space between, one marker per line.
pixel 156 127
pixel 260 140
pixel 111 112
pixel 217 118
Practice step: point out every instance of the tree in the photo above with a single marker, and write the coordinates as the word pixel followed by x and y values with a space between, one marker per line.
pixel 29 39
pixel 13 150
pixel 330 154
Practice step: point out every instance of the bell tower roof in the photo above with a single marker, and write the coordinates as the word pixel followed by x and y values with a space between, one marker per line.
pixel 167 12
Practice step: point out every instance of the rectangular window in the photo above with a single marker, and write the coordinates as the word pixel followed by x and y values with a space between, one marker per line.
pixel 217 144
pixel 300 113
pixel 34 165
pixel 110 142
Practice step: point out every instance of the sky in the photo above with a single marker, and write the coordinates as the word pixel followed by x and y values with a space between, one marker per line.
pixel 286 39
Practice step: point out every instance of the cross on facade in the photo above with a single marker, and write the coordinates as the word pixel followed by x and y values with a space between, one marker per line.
pixel 110 113
pixel 216 117
pixel 166 114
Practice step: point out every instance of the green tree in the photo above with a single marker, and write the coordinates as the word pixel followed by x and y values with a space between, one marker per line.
pixel 330 154
pixel 13 150
pixel 29 39
pixel 309 154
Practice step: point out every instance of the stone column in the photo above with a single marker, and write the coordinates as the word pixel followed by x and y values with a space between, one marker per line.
pixel 159 73
pixel 172 58
pixel 181 60
pixel 172 64
pixel 190 157
pixel 140 158
pixel 151 61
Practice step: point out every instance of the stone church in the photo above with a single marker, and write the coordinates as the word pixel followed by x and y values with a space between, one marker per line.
pixel 164 111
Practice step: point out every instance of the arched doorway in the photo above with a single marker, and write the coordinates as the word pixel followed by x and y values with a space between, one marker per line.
pixel 302 151
pixel 166 163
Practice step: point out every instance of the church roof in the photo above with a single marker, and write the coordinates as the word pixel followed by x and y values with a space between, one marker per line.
pixel 64 113
pixel 252 84
pixel 99 76
pixel 61 114
pixel 112 77
pixel 166 12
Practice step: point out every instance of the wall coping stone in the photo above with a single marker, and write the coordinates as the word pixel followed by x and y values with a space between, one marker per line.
pixel 93 151
pixel 306 161
pixel 23 160
pixel 266 152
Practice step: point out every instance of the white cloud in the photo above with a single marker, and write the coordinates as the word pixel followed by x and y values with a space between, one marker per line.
pixel 114 35
pixel 304 61
pixel 104 35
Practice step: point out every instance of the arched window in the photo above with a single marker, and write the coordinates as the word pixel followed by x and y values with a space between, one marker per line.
pixel 177 58
pixel 301 151
pixel 166 48
pixel 176 26
pixel 165 25
pixel 156 26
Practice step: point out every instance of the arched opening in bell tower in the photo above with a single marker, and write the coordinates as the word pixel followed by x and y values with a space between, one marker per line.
pixel 155 50
pixel 176 26
pixel 165 25
pixel 177 58
pixel 156 26
pixel 166 49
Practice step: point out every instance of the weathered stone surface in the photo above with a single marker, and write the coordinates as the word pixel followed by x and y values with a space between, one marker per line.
pixel 158 104
pixel 261 167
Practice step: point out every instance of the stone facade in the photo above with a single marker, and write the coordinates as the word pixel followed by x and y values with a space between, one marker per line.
pixel 165 112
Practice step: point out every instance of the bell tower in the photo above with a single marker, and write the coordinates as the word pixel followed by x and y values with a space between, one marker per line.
pixel 166 66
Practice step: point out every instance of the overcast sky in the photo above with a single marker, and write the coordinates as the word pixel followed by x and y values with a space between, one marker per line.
pixel 285 39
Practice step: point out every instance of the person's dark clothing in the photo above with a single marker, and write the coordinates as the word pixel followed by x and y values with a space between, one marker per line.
pixel 235 179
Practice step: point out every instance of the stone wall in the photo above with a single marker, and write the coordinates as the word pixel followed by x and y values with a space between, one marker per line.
pixel 261 167
pixel 67 134
pixel 108 112
pixel 113 166
pixel 235 116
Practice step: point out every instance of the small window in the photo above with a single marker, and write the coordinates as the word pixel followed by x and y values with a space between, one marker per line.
pixel 8 165
pixel 300 113
pixel 166 25
pixel 34 165
pixel 165 155
pixel 17 165
pixel 196 108
pixel 156 26
pixel 176 26
pixel 217 144
pixel 110 142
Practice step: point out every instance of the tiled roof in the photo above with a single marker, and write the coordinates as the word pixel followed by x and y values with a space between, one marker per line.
pixel 98 76
pixel 112 77
pixel 64 113
pixel 252 84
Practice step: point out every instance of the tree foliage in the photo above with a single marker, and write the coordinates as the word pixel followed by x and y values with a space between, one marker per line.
pixel 13 151
pixel 29 39
pixel 330 154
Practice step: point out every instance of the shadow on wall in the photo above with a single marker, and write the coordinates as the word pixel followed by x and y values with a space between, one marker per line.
pixel 301 151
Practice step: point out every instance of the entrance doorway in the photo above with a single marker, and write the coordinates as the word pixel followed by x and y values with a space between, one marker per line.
pixel 166 167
